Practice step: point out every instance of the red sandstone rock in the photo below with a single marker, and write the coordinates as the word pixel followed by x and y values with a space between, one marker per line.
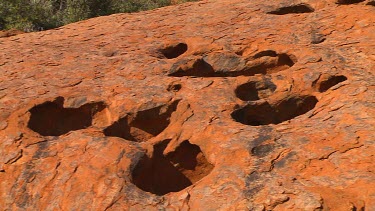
pixel 9 33
pixel 214 105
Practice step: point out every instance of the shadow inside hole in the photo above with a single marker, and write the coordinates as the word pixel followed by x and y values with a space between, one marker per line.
pixel 265 62
pixel 265 113
pixel 260 54
pixel 269 62
pixel 330 82
pixel 198 68
pixel 285 60
pixel 143 125
pixel 346 2
pixel 294 9
pixel 161 174
pixel 174 87
pixel 174 51
pixel 52 119
pixel 255 90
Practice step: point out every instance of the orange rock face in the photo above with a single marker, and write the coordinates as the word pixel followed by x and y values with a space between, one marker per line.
pixel 9 33
pixel 213 105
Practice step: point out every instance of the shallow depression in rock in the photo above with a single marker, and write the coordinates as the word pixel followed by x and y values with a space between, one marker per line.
pixel 224 65
pixel 160 174
pixel 142 125
pixel 255 90
pixel 265 113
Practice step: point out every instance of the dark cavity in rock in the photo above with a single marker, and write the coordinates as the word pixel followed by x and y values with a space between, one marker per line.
pixel 52 119
pixel 174 51
pixel 293 9
pixel 174 87
pixel 142 125
pixel 191 67
pixel 265 62
pixel 255 90
pixel 265 113
pixel 160 174
pixel 330 82
pixel 345 2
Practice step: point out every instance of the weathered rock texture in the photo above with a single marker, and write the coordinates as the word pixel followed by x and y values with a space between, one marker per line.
pixel 9 33
pixel 214 105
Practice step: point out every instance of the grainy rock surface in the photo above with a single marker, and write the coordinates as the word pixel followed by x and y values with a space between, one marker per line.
pixel 9 33
pixel 214 105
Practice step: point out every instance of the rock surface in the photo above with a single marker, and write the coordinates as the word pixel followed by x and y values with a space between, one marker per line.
pixel 9 33
pixel 213 105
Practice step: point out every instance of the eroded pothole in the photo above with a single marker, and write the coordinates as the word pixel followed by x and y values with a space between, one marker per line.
pixel 221 64
pixel 345 2
pixel 293 9
pixel 142 125
pixel 266 113
pixel 160 174
pixel 174 51
pixel 327 82
pixel 267 62
pixel 52 119
pixel 255 90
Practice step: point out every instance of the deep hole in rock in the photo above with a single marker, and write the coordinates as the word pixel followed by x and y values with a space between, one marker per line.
pixel 372 3
pixel 330 82
pixel 161 174
pixel 174 51
pixel 52 119
pixel 348 1
pixel 143 125
pixel 265 113
pixel 255 90
pixel 299 8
